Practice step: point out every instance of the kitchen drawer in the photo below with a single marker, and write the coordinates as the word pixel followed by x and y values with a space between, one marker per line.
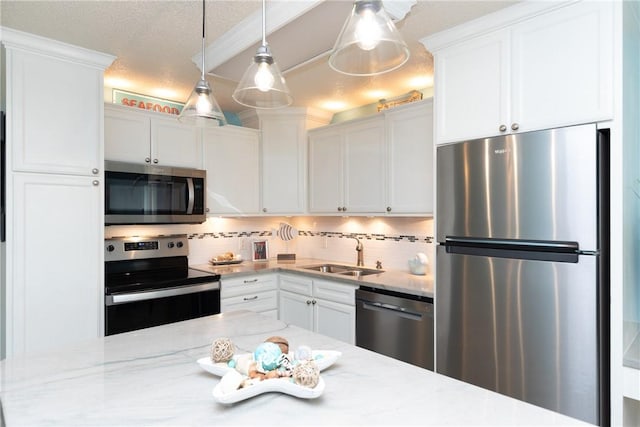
pixel 258 302
pixel 247 284
pixel 334 291
pixel 298 285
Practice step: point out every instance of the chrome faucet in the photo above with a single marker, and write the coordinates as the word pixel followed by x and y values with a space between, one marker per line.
pixel 359 250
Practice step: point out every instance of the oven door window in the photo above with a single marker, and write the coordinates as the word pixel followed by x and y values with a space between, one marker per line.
pixel 142 194
pixel 145 314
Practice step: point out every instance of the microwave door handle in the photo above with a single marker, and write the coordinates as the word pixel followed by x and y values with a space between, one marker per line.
pixel 192 196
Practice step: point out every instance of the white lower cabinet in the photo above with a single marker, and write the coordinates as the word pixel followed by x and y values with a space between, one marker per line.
pixel 257 293
pixel 319 305
pixel 55 295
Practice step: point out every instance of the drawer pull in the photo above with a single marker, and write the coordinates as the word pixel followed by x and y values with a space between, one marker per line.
pixel 251 281
pixel 250 298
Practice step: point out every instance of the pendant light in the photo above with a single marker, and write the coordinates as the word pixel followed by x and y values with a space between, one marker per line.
pixel 369 42
pixel 262 85
pixel 201 109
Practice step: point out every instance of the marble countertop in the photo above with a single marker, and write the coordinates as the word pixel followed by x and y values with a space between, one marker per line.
pixel 395 280
pixel 150 377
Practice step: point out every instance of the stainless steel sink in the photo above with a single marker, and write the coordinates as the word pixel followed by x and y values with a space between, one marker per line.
pixel 360 272
pixel 327 268
pixel 344 270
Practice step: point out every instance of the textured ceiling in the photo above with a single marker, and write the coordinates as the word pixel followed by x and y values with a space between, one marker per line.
pixel 154 42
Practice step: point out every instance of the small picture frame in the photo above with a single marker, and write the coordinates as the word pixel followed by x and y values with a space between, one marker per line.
pixel 260 250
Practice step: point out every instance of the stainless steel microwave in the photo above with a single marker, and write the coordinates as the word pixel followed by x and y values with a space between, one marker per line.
pixel 144 194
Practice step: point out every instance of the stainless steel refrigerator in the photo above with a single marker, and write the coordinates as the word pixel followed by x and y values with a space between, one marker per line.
pixel 522 267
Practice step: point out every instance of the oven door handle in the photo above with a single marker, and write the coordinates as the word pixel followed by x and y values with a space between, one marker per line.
pixel 116 299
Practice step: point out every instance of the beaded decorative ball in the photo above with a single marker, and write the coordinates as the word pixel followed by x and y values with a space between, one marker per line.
pixel 222 350
pixel 306 374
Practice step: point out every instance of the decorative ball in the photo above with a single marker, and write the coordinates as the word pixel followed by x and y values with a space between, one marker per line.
pixel 304 353
pixel 221 350
pixel 282 343
pixel 266 356
pixel 306 374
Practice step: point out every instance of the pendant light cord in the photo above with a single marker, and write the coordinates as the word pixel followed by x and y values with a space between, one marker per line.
pixel 264 25
pixel 203 19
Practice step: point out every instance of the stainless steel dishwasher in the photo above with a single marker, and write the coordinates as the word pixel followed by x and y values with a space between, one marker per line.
pixel 396 325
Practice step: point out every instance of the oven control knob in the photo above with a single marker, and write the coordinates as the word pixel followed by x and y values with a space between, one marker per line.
pixel 171 245
pixel 179 244
pixel 110 248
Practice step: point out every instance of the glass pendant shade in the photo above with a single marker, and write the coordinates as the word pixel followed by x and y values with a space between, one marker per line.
pixel 369 42
pixel 201 108
pixel 262 85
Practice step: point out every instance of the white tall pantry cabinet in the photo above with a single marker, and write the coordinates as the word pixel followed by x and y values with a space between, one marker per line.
pixel 52 281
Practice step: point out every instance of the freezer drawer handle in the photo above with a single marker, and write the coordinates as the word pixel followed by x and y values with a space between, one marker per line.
pixel 399 311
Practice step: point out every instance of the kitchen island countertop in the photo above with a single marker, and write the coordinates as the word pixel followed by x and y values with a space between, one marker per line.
pixel 390 279
pixel 150 377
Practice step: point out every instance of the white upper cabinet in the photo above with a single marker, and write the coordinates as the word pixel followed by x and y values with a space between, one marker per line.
pixel 348 168
pixel 562 67
pixel 325 170
pixel 410 153
pixel 543 66
pixel 381 164
pixel 231 158
pixel 283 155
pixel 365 167
pixel 472 91
pixel 150 138
pixel 127 135
pixel 56 121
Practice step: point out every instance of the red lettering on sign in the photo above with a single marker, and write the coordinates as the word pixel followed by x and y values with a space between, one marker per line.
pixel 174 110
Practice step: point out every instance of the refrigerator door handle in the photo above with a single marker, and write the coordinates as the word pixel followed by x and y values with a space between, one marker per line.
pixel 541 250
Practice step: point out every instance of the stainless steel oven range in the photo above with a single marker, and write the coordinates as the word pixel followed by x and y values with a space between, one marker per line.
pixel 148 282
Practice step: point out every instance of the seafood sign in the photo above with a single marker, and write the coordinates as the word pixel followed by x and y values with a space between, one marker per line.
pixel 145 102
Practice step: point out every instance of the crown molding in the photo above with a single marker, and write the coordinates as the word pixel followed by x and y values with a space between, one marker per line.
pixel 15 39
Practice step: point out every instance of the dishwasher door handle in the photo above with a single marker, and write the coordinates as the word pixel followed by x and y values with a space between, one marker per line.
pixel 390 308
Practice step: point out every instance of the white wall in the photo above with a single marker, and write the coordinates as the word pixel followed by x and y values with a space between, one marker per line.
pixel 390 240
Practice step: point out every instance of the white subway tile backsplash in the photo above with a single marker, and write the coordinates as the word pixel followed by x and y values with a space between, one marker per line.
pixel 393 241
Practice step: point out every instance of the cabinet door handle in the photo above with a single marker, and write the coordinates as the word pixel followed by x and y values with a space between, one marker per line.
pixel 251 281
pixel 250 298
pixel 147 160
pixel 339 209
pixel 313 302
pixel 155 160
pixel 264 209
pixel 308 302
pixel 515 126
pixel 95 171
pixel 388 208
pixel 344 209
pixel 502 128
pixel 95 182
